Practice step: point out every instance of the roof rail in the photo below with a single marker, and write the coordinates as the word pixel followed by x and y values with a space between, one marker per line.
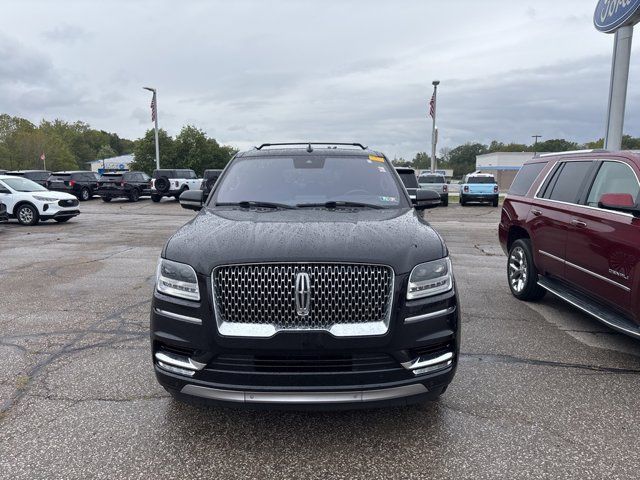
pixel 569 152
pixel 309 144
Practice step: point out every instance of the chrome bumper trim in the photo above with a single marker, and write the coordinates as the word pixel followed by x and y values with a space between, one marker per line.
pixel 428 316
pixel 179 361
pixel 422 365
pixel 177 316
pixel 293 398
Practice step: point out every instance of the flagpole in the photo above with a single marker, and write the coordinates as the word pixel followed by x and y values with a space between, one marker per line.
pixel 434 139
pixel 154 112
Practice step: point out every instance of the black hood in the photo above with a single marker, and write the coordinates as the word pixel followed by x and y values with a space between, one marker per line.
pixel 400 238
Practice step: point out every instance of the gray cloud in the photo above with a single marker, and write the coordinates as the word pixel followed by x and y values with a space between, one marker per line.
pixel 250 72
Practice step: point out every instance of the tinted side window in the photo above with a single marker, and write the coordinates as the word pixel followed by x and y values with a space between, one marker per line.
pixel 568 181
pixel 525 178
pixel 613 177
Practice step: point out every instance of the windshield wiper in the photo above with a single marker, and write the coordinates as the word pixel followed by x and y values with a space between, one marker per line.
pixel 340 203
pixel 253 203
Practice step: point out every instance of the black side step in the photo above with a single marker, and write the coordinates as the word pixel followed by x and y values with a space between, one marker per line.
pixel 590 306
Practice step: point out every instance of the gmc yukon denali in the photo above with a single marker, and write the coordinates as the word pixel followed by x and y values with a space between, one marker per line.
pixel 307 280
pixel 571 226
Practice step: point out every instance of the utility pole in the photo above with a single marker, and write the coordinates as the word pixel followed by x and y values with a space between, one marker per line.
pixel 535 143
pixel 434 132
pixel 154 117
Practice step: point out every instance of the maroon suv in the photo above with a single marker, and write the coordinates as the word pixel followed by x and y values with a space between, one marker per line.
pixel 571 225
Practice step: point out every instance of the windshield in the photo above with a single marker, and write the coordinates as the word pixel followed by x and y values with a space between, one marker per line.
pixel 431 179
pixel 309 180
pixel 481 180
pixel 20 184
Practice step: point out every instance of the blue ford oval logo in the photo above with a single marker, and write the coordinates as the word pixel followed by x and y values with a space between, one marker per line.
pixel 613 14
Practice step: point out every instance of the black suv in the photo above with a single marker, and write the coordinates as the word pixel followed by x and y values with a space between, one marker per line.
pixel 409 180
pixel 131 185
pixel 38 176
pixel 209 179
pixel 82 184
pixel 308 279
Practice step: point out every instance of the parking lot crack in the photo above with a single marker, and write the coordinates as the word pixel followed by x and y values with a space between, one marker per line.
pixel 548 363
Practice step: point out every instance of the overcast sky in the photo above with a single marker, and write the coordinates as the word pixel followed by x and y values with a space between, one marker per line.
pixel 253 71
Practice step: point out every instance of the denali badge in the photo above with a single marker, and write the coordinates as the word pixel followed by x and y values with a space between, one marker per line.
pixel 303 294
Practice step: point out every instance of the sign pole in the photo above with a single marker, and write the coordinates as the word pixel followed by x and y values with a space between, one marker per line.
pixel 618 87
pixel 434 135
pixel 155 99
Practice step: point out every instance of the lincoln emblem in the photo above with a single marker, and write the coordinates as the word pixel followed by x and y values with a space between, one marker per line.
pixel 303 294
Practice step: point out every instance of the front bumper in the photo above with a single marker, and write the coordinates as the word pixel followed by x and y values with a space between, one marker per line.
pixel 414 361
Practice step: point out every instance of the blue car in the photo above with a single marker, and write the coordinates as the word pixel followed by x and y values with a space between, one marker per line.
pixel 479 187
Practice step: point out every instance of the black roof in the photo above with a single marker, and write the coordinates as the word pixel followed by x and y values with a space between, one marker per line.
pixel 303 149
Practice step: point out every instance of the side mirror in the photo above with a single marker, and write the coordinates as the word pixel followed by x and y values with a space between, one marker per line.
pixel 191 199
pixel 426 199
pixel 621 202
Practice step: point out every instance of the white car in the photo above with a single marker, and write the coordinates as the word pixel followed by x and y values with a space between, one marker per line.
pixel 29 202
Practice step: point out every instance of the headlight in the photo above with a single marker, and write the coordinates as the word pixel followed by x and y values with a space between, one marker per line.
pixel 177 279
pixel 45 199
pixel 430 278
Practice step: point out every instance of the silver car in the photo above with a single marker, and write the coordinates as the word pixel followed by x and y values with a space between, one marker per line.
pixel 436 182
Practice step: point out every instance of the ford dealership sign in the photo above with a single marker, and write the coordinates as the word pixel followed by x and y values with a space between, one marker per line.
pixel 613 14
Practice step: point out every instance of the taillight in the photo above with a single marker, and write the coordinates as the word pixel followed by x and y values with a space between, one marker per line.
pixel 495 189
pixel 466 188
pixel 72 183
pixel 445 189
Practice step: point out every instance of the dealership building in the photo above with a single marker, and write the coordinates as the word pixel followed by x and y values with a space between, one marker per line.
pixel 503 165
pixel 113 164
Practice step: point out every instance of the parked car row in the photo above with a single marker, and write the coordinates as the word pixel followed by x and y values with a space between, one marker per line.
pixel 476 187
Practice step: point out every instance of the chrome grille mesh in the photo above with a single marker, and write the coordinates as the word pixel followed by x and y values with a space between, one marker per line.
pixel 340 294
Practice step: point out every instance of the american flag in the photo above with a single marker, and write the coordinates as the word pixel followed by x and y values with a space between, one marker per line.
pixel 42 156
pixel 432 106
pixel 153 108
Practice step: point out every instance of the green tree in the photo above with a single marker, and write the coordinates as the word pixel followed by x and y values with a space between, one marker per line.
pixel 556 145
pixel 421 161
pixel 462 159
pixel 145 152
pixel 106 151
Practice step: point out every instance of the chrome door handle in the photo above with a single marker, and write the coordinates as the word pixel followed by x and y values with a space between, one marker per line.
pixel 537 213
pixel 578 223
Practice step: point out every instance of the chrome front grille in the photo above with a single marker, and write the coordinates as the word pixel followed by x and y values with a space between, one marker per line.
pixel 346 299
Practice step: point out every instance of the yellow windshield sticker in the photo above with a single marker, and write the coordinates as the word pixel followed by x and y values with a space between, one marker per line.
pixel 373 158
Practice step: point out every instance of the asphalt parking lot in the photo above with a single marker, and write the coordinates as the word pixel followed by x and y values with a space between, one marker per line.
pixel 542 391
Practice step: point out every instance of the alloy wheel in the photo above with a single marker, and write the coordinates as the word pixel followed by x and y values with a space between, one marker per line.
pixel 518 272
pixel 25 215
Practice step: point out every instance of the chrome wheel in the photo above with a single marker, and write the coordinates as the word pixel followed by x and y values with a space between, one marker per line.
pixel 518 271
pixel 25 215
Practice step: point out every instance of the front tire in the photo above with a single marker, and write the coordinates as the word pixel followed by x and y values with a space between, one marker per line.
pixel 27 215
pixel 463 202
pixel 522 273
pixel 496 201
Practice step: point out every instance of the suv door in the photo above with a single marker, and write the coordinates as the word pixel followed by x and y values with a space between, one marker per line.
pixel 603 256
pixel 550 215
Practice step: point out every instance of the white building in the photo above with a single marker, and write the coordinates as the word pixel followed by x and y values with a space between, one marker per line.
pixel 503 165
pixel 113 164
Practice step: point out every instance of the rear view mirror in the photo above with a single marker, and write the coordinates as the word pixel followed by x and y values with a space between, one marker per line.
pixel 621 202
pixel 191 199
pixel 426 199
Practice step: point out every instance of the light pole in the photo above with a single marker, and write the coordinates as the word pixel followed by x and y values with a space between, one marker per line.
pixel 434 134
pixel 154 117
